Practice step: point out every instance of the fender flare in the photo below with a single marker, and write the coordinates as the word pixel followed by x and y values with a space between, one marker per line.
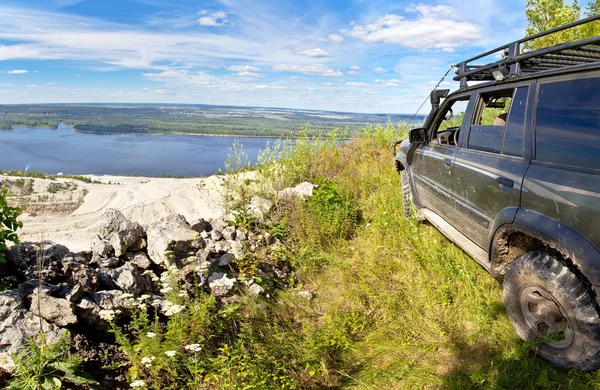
pixel 577 249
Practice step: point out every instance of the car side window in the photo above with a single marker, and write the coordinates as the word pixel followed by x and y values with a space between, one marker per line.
pixel 487 131
pixel 515 127
pixel 568 123
pixel 449 123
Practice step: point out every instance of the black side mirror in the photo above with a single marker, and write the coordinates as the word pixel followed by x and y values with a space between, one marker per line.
pixel 416 136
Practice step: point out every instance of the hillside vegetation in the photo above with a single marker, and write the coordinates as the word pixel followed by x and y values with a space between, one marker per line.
pixel 396 305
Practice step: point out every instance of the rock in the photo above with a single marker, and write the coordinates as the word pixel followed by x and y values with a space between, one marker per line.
pixel 229 233
pixel 120 232
pixel 219 224
pixel 30 254
pixel 128 278
pixel 173 234
pixel 201 226
pixel 205 235
pixel 216 235
pixel 222 246
pixel 10 300
pixel 111 262
pixel 259 208
pixel 76 273
pixel 89 312
pixel 75 294
pixel 306 294
pixel 203 254
pixel 195 273
pixel 256 289
pixel 77 257
pixel 302 190
pixel 141 260
pixel 101 248
pixel 105 282
pixel 240 235
pixel 138 245
pixel 220 285
pixel 55 310
pixel 226 259
pixel 26 288
pixel 269 239
pixel 18 328
pixel 111 300
pixel 237 249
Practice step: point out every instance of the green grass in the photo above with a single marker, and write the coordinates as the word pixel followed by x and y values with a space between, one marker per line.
pixel 397 306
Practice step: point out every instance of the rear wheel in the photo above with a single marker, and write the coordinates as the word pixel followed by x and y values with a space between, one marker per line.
pixel 547 300
pixel 408 208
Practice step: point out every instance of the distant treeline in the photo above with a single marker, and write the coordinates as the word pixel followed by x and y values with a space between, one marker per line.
pixel 189 119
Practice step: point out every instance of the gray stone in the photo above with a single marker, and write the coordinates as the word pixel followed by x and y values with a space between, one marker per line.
pixel 306 294
pixel 256 289
pixel 89 312
pixel 172 234
pixel 259 208
pixel 222 246
pixel 240 235
pixel 269 239
pixel 226 259
pixel 119 231
pixel 237 249
pixel 205 235
pixel 128 278
pixel 55 310
pixel 77 273
pixel 77 257
pixel 105 282
pixel 75 294
pixel 101 248
pixel 141 260
pixel 111 300
pixel 10 300
pixel 216 235
pixel 302 190
pixel 220 285
pixel 203 254
pixel 229 233
pixel 219 224
pixel 111 262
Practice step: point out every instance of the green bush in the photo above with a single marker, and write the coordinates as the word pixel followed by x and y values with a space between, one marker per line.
pixel 8 225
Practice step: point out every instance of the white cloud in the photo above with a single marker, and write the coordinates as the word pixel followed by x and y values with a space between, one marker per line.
pixel 251 75
pixel 335 38
pixel 218 18
pixel 357 84
pixel 315 53
pixel 435 27
pixel 379 69
pixel 243 68
pixel 355 67
pixel 17 71
pixel 353 73
pixel 313 70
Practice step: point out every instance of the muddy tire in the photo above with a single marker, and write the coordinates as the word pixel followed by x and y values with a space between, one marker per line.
pixel 408 207
pixel 548 301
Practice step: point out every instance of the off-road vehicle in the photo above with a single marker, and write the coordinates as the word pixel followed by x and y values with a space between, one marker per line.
pixel 508 168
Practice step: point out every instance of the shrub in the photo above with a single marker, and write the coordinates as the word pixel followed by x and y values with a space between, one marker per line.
pixel 8 224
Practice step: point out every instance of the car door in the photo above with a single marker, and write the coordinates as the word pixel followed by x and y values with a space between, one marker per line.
pixel 432 165
pixel 490 167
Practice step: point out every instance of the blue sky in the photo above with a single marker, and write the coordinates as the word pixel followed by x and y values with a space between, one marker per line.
pixel 353 55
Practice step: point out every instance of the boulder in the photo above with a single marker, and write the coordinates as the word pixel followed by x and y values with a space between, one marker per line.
pixel 77 273
pixel 129 278
pixel 229 233
pixel 119 231
pixel 75 294
pixel 302 190
pixel 259 208
pixel 256 289
pixel 220 285
pixel 141 260
pixel 101 248
pixel 89 312
pixel 55 310
pixel 226 259
pixel 111 262
pixel 111 300
pixel 237 249
pixel 172 234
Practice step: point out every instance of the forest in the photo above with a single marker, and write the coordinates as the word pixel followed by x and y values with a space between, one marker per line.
pixel 190 119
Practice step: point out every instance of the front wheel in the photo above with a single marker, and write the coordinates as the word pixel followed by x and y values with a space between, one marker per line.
pixel 548 301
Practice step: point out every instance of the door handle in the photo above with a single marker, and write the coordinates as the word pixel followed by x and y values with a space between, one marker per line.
pixel 503 181
pixel 448 163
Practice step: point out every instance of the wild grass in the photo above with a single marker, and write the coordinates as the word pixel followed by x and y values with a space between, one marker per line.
pixel 397 306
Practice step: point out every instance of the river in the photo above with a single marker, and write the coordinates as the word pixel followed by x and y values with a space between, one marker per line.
pixel 68 151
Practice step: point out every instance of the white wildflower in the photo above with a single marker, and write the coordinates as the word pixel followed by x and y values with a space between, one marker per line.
pixel 193 347
pixel 137 383
pixel 169 308
pixel 109 315
pixel 166 290
pixel 148 360
pixel 182 294
pixel 126 295
pixel 151 335
pixel 156 302
pixel 171 353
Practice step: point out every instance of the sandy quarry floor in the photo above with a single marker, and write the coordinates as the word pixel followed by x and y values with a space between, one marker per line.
pixel 71 217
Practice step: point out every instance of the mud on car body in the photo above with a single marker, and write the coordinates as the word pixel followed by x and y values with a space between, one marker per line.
pixel 509 169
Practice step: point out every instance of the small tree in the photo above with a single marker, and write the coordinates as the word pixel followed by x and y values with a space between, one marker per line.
pixel 8 225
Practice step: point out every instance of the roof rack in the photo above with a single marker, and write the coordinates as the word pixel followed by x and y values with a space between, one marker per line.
pixel 516 64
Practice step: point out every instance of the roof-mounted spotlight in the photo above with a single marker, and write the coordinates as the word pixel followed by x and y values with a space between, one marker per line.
pixel 500 73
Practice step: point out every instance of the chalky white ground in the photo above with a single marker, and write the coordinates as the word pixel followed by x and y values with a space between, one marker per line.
pixel 141 199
